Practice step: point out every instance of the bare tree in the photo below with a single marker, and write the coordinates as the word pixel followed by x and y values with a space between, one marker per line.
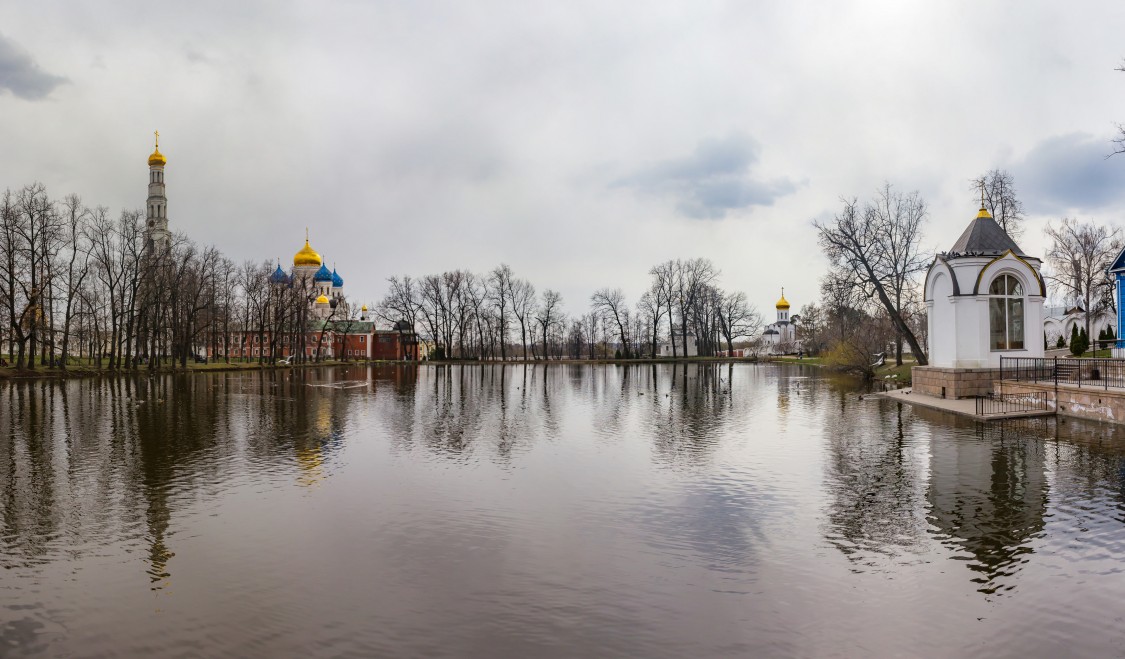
pixel 476 297
pixel 999 196
pixel 547 315
pixel 650 308
pixel 13 269
pixel 810 331
pixel 37 229
pixel 691 279
pixel 610 303
pixel 406 300
pixel 523 305
pixel 500 293
pixel 591 322
pixel 664 277
pixel 900 217
pixel 1079 256
pixel 877 250
pixel 77 267
pixel 737 318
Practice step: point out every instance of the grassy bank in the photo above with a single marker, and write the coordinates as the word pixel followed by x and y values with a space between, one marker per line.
pixel 887 371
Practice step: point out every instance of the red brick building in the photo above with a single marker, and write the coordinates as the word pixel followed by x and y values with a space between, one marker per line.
pixel 346 339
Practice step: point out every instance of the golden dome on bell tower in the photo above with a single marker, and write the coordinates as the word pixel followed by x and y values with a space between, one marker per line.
pixel 157 159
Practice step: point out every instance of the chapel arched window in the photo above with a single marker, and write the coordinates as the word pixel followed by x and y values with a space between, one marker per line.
pixel 1006 313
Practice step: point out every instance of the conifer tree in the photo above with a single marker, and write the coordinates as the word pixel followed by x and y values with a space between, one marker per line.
pixel 1078 345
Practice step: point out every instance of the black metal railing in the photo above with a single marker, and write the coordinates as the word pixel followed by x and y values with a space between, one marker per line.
pixel 999 404
pixel 1080 372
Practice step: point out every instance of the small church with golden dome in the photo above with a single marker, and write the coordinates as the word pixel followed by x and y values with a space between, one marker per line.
pixel 780 336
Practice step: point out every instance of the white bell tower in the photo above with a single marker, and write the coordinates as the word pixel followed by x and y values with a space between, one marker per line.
pixel 158 240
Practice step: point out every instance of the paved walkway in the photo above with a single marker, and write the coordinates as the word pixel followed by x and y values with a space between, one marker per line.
pixel 960 406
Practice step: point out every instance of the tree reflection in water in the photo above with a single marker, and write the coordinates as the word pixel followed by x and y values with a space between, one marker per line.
pixel 691 402
pixel 87 461
pixel 466 412
pixel 875 473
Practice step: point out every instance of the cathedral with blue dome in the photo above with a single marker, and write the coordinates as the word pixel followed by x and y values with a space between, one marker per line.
pixel 325 287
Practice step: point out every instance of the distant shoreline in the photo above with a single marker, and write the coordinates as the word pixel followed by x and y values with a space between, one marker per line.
pixel 84 371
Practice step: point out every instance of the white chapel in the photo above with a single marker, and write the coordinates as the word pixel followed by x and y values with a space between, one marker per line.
pixel 985 300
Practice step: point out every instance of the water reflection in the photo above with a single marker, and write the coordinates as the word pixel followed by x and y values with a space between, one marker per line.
pixel 988 497
pixel 90 461
pixel 876 471
pixel 662 510
pixel 696 401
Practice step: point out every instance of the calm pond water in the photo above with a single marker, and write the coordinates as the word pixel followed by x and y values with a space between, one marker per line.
pixel 568 511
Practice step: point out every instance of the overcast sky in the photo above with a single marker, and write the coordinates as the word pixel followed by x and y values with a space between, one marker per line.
pixel 581 143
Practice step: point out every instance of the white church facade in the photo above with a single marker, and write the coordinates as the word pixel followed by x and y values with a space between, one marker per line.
pixel 780 336
pixel 985 300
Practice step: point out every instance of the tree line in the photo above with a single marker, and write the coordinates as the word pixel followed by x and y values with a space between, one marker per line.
pixel 77 285
pixel 497 315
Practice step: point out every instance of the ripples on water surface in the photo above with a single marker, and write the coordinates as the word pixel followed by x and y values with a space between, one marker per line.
pixel 564 511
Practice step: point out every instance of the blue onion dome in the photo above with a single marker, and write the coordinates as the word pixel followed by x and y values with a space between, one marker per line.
pixel 337 280
pixel 324 274
pixel 279 276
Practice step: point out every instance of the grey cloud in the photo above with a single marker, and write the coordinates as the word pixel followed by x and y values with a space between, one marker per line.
pixel 1070 172
pixel 196 57
pixel 20 74
pixel 715 179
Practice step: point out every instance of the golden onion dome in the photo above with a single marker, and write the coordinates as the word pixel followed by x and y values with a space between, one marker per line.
pixel 323 299
pixel 307 256
pixel 157 158
pixel 782 304
pixel 363 308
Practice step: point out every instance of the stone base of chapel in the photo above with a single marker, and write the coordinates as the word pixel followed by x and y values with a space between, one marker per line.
pixel 953 382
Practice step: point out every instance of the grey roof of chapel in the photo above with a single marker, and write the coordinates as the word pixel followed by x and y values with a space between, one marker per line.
pixel 984 237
